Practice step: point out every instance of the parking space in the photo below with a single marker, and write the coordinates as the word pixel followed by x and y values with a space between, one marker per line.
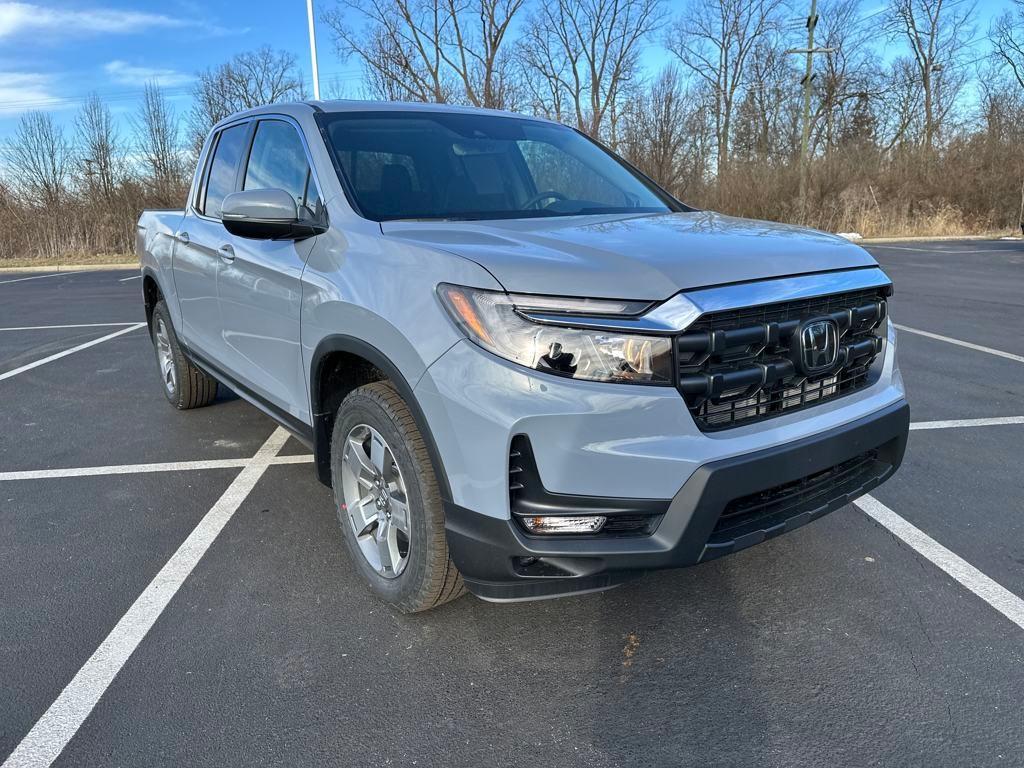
pixel 949 382
pixel 965 490
pixel 208 613
pixel 90 410
pixel 24 346
pixel 75 554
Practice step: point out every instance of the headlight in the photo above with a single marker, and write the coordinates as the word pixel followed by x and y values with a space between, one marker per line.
pixel 491 320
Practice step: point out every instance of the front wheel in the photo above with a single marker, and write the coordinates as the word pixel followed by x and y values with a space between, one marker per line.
pixel 388 502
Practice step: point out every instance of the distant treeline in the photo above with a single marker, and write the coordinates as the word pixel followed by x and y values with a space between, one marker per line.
pixel 916 120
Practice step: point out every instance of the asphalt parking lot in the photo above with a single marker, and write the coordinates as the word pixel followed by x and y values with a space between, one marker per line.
pixel 169 600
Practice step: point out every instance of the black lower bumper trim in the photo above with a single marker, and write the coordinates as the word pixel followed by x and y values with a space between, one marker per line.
pixel 775 490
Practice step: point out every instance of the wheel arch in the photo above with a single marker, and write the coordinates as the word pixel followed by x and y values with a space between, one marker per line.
pixel 336 354
pixel 152 292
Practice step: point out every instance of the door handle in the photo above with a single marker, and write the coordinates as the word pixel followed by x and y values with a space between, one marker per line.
pixel 226 252
pixel 181 237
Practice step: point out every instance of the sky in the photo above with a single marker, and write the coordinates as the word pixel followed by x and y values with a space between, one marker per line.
pixel 54 52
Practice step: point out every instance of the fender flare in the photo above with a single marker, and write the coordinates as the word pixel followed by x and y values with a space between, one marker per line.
pixel 323 421
pixel 152 273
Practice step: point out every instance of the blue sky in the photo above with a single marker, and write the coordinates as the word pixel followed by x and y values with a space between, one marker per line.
pixel 53 52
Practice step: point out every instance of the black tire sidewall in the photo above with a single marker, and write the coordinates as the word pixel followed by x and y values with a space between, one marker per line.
pixel 362 408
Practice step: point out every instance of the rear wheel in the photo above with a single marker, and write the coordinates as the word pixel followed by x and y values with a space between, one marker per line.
pixel 184 385
pixel 388 502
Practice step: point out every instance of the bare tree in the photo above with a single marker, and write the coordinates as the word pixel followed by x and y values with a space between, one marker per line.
pixel 848 77
pixel 714 39
pixel 662 133
pixel 1007 36
pixel 545 69
pixel 431 50
pixel 766 127
pixel 899 109
pixel 248 80
pixel 156 134
pixel 99 156
pixel 39 159
pixel 937 32
pixel 400 47
pixel 476 50
pixel 586 55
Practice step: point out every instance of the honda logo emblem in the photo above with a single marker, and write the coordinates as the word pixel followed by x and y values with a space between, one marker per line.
pixel 818 346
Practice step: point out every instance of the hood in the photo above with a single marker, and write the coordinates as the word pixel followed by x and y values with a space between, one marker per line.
pixel 647 257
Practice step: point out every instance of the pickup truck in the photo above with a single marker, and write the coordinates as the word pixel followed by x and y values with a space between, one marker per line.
pixel 524 369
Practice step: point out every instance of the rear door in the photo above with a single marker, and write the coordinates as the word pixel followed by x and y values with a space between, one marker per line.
pixel 259 283
pixel 197 255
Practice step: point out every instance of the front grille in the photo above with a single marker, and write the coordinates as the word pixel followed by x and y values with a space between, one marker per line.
pixel 739 366
pixel 763 508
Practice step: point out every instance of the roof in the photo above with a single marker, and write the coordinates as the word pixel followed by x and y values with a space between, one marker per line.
pixel 298 108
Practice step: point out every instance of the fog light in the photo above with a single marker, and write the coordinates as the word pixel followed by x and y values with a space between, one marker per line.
pixel 548 524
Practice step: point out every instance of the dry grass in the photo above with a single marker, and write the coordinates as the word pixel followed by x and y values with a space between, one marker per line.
pixel 71 260
pixel 944 221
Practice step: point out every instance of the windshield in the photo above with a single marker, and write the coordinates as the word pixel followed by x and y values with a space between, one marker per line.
pixel 423 165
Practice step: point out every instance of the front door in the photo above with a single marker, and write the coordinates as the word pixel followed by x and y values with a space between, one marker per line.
pixel 259 282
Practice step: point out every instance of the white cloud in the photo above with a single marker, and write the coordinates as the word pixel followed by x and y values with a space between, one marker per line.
pixel 125 74
pixel 29 18
pixel 21 91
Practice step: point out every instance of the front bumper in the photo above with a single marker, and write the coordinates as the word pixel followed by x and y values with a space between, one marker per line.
pixel 781 487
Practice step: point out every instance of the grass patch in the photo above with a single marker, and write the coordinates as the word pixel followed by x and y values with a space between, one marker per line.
pixel 71 260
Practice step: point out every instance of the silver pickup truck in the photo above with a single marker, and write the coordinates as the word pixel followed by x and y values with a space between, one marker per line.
pixel 524 368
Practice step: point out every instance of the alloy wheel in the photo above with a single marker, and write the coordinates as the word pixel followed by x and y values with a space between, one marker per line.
pixel 376 501
pixel 165 357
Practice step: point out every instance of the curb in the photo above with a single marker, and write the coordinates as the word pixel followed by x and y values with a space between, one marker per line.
pixel 940 238
pixel 70 267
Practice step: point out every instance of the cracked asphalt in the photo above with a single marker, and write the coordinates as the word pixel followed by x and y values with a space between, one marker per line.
pixel 834 645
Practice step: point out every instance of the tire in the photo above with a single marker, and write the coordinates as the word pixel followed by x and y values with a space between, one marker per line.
pixel 421 575
pixel 184 385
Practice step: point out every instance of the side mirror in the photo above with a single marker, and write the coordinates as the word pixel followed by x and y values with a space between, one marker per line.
pixel 266 214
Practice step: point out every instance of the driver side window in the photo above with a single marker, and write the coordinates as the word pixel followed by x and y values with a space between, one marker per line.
pixel 556 171
pixel 220 181
pixel 278 161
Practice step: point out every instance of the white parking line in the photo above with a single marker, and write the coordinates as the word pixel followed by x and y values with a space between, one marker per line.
pixel 960 343
pixel 996 595
pixel 993 422
pixel 126 279
pixel 137 469
pixel 40 277
pixel 299 458
pixel 66 352
pixel 51 733
pixel 123 469
pixel 52 327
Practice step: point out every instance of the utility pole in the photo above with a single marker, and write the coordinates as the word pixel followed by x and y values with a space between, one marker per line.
pixel 312 50
pixel 809 51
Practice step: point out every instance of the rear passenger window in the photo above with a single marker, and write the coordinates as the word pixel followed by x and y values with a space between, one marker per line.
pixel 221 178
pixel 278 161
